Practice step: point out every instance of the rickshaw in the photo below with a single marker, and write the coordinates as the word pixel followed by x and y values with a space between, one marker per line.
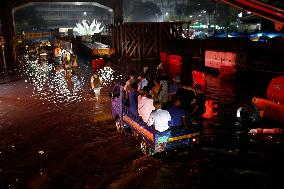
pixel 151 140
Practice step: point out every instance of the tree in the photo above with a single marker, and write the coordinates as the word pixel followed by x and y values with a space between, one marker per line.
pixel 226 16
pixel 182 10
pixel 147 11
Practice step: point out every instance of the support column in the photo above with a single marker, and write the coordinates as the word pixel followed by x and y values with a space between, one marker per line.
pixel 8 33
pixel 118 11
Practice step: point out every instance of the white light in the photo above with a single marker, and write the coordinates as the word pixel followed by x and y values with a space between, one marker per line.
pixel 106 75
pixel 199 15
pixel 84 28
pixel 167 13
pixel 240 15
pixel 85 13
pixel 190 16
pixel 239 112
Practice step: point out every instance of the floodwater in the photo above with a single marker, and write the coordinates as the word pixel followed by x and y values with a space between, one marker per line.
pixel 55 135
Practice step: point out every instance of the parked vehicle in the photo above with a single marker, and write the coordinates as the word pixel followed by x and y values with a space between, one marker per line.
pixel 151 141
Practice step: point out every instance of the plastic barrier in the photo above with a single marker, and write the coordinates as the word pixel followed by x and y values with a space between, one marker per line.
pixel 216 59
pixel 275 90
pixel 269 109
pixel 163 57
pixel 266 131
pixel 174 64
pixel 199 79
pixel 227 70
pixel 212 59
pixel 97 64
pixel 210 106
pixel 228 58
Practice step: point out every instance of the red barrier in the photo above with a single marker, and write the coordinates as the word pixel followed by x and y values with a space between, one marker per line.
pixel 270 109
pixel 227 70
pixel 199 79
pixel 97 64
pixel 275 90
pixel 163 57
pixel 210 112
pixel 174 64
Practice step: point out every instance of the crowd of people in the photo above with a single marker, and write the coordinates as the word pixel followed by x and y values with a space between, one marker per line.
pixel 164 102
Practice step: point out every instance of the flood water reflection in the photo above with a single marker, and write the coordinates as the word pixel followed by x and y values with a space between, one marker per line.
pixel 54 134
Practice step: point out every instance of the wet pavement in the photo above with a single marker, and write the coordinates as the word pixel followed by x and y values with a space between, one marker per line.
pixel 54 134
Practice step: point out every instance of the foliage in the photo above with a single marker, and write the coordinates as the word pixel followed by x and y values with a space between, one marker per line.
pixel 183 10
pixel 230 13
pixel 147 11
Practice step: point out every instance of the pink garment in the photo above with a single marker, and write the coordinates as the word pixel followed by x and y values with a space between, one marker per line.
pixel 145 107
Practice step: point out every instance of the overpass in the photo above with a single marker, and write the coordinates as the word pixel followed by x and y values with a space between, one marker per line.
pixel 264 10
pixel 9 6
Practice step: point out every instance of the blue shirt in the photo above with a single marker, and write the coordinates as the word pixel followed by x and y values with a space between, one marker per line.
pixel 176 116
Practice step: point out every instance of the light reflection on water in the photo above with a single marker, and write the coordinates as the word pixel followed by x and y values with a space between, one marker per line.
pixel 53 87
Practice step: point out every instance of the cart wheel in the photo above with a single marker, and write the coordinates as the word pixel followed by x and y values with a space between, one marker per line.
pixel 145 148
pixel 118 125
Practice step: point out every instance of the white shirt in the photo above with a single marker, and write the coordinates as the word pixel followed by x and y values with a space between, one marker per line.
pixel 160 119
pixel 142 84
pixel 145 107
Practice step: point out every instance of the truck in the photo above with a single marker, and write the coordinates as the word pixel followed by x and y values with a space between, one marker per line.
pixel 151 140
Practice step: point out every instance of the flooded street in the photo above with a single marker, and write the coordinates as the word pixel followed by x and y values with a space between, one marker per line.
pixel 55 135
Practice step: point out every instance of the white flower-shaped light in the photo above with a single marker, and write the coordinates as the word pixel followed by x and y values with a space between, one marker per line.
pixel 84 28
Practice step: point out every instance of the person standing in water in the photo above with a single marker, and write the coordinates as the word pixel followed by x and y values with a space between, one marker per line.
pixel 96 84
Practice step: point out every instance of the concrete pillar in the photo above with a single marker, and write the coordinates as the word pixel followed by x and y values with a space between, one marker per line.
pixel 118 11
pixel 8 33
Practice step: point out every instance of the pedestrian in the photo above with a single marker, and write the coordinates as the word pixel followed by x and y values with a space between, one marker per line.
pixel 96 84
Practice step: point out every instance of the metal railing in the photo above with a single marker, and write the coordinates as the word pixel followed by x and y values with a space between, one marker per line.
pixel 135 117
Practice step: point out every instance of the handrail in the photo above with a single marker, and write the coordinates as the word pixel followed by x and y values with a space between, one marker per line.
pixel 268 6
pixel 259 9
pixel 126 111
pixel 254 5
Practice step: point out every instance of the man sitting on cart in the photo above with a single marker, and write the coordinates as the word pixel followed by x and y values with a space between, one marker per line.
pixel 159 118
